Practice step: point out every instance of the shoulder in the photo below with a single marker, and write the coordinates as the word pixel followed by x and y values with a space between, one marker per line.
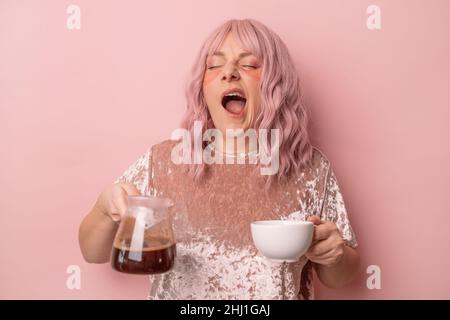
pixel 315 174
pixel 319 163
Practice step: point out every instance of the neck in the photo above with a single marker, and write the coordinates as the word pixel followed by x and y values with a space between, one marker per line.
pixel 230 145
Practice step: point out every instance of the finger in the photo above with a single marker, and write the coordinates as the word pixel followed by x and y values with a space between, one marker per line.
pixel 320 258
pixel 315 219
pixel 119 201
pixel 328 259
pixel 120 196
pixel 321 248
pixel 321 232
pixel 324 261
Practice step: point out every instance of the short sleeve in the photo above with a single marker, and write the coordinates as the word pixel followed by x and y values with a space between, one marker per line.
pixel 334 209
pixel 139 173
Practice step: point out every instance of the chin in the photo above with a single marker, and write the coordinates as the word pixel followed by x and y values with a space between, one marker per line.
pixel 232 126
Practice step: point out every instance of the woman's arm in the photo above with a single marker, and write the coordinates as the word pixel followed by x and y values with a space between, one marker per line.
pixel 96 236
pixel 341 273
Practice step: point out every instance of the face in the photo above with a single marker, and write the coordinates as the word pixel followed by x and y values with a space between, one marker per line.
pixel 231 86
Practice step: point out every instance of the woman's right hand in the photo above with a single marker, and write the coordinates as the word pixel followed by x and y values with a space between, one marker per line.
pixel 113 200
pixel 98 228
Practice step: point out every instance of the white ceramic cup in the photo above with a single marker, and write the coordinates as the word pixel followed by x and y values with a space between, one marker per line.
pixel 282 240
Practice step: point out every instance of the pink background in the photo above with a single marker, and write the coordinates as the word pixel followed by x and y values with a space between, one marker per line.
pixel 77 107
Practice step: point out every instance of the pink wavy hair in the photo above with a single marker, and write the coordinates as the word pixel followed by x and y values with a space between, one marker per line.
pixel 281 100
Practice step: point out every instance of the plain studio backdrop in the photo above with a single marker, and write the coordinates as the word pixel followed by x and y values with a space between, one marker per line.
pixel 78 106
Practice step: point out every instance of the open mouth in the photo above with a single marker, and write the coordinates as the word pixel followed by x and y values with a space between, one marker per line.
pixel 234 102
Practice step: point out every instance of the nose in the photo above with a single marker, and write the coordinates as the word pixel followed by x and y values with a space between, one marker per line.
pixel 230 73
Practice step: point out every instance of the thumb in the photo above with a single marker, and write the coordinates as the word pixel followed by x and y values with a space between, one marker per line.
pixel 315 219
pixel 130 189
pixel 120 199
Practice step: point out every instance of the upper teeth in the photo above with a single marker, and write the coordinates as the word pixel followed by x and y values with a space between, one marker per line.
pixel 234 94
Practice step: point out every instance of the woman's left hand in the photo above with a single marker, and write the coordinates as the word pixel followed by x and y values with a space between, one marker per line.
pixel 327 246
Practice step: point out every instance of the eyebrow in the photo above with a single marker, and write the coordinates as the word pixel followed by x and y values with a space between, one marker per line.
pixel 241 55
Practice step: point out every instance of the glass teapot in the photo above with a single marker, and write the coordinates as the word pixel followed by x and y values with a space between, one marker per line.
pixel 145 242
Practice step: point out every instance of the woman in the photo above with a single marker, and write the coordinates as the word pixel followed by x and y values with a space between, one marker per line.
pixel 244 79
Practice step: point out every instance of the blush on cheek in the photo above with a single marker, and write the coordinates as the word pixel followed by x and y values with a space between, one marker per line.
pixel 254 74
pixel 209 76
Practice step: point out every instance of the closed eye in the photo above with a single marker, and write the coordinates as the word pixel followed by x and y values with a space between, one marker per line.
pixel 245 66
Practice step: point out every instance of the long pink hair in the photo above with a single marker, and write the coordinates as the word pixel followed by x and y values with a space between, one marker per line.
pixel 281 100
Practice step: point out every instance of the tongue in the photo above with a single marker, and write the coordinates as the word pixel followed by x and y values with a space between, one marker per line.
pixel 235 106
